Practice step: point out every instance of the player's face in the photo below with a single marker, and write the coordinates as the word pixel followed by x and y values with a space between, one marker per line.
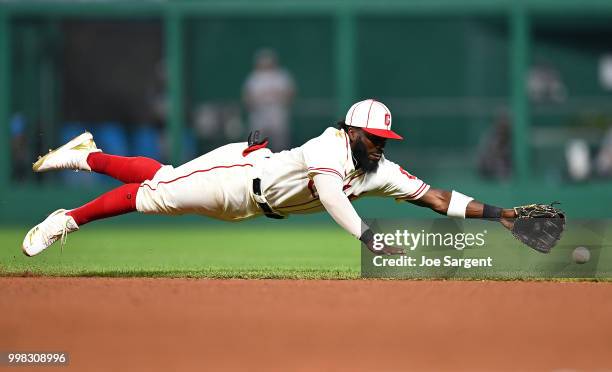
pixel 375 145
pixel 367 149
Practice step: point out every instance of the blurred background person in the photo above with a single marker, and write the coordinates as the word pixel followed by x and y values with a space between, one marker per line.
pixel 19 147
pixel 545 84
pixel 268 93
pixel 495 157
pixel 604 157
pixel 578 159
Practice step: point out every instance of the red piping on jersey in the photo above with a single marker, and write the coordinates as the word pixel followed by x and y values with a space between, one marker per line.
pixel 197 171
pixel 416 193
pixel 327 170
pixel 407 174
pixel 250 149
pixel 370 109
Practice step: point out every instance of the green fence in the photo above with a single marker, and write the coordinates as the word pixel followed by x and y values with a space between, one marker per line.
pixel 445 68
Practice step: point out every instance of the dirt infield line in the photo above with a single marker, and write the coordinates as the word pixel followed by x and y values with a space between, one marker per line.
pixel 291 325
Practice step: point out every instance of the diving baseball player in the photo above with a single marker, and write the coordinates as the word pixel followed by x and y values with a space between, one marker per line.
pixel 246 180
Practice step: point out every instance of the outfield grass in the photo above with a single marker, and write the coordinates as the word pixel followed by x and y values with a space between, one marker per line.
pixel 202 251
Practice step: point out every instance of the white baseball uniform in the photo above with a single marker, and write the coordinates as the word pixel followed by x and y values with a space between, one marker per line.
pixel 219 184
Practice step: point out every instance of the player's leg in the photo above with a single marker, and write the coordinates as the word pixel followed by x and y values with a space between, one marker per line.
pixel 116 202
pixel 81 153
pixel 62 222
pixel 217 184
pixel 125 169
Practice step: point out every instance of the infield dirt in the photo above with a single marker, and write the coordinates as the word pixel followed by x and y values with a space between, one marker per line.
pixel 291 325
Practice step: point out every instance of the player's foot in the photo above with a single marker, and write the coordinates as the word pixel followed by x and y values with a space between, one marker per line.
pixel 54 227
pixel 72 155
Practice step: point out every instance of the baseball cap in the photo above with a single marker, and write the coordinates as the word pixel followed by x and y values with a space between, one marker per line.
pixel 373 117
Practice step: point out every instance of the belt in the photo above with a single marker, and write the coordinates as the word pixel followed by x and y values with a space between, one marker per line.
pixel 262 202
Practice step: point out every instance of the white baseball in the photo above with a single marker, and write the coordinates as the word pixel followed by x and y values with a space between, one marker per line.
pixel 581 255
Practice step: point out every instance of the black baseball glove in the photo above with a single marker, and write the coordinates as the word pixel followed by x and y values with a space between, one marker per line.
pixel 539 226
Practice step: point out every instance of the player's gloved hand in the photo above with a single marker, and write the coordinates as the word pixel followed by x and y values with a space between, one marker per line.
pixel 539 226
pixel 254 139
pixel 367 238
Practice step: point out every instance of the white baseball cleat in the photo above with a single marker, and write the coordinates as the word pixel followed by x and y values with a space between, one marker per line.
pixel 72 155
pixel 54 227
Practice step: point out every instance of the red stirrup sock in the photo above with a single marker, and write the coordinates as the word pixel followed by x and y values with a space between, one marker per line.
pixel 124 169
pixel 113 203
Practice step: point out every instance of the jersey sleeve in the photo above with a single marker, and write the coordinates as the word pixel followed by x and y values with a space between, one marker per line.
pixel 326 154
pixel 400 184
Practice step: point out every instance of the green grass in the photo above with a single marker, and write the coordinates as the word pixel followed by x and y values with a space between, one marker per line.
pixel 279 249
pixel 230 251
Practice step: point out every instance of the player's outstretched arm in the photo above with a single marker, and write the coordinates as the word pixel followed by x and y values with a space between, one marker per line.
pixel 525 222
pixel 340 208
pixel 455 204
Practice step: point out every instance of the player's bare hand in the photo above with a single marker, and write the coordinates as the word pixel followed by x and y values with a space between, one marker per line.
pixel 393 251
pixel 367 237
pixel 507 222
pixel 387 250
pixel 507 219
